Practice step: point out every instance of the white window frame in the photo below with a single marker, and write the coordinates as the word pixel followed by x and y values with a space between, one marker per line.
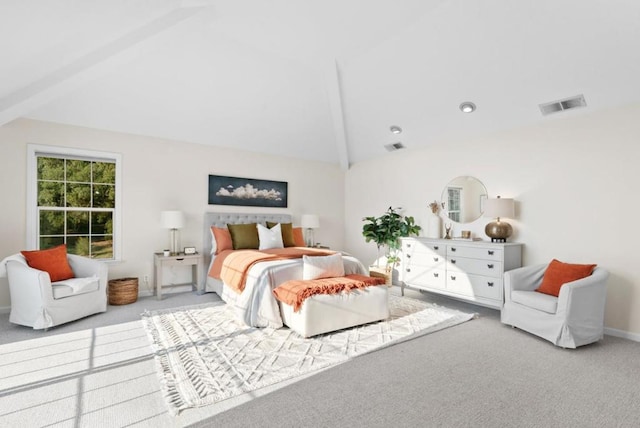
pixel 35 150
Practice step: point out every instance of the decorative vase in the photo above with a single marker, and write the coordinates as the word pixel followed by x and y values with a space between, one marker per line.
pixel 435 226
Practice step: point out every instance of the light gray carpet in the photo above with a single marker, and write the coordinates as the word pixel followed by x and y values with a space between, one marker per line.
pixel 477 374
pixel 205 355
pixel 114 315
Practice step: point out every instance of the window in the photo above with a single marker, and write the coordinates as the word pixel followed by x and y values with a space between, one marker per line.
pixel 454 203
pixel 74 200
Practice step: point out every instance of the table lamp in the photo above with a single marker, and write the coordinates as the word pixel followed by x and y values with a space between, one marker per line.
pixel 497 208
pixel 310 222
pixel 173 220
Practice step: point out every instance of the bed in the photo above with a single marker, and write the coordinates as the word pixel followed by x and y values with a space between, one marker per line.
pixel 256 305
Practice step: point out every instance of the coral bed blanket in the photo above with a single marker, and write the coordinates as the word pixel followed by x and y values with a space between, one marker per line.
pixel 294 292
pixel 232 266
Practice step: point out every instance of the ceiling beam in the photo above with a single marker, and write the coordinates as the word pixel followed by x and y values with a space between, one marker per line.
pixel 89 66
pixel 332 77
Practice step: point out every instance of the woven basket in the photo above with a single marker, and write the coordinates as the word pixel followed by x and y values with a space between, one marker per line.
pixel 123 291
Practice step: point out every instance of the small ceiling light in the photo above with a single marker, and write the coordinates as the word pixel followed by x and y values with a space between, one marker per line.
pixel 467 107
pixel 395 129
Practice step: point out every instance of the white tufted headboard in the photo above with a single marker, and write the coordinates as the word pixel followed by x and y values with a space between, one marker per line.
pixel 222 219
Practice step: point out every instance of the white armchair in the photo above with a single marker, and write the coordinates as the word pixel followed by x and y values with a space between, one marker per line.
pixel 37 302
pixel 574 318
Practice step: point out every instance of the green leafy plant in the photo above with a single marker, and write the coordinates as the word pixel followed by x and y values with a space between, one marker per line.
pixel 387 230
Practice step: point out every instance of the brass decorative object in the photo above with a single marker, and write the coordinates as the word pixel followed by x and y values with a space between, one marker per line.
pixel 447 228
pixel 498 231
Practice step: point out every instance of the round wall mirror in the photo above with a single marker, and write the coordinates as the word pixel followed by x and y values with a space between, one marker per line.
pixel 464 199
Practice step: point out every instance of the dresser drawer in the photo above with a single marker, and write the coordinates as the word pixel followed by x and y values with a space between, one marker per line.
pixel 424 259
pixel 474 285
pixel 425 276
pixel 475 266
pixel 474 253
pixel 413 247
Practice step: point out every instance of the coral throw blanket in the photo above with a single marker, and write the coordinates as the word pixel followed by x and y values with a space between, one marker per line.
pixel 232 266
pixel 294 292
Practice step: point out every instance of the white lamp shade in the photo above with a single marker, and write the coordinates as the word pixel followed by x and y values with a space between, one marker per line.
pixel 310 221
pixel 499 207
pixel 172 219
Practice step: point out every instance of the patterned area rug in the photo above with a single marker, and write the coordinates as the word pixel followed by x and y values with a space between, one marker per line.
pixel 205 355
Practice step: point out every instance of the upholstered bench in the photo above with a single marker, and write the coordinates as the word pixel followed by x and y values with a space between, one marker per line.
pixel 323 313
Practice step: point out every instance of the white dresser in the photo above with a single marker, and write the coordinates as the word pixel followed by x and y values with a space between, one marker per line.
pixel 467 270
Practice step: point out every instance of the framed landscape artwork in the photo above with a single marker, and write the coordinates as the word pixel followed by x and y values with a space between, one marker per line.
pixel 248 192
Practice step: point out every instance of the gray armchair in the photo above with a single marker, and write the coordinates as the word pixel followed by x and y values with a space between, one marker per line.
pixel 37 302
pixel 574 318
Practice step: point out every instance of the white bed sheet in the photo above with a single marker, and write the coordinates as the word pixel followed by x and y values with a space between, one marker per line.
pixel 256 305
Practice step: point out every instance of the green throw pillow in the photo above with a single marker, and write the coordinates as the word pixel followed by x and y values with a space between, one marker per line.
pixel 287 233
pixel 244 236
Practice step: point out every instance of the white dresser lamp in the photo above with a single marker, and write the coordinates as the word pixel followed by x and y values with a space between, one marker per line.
pixel 310 222
pixel 173 220
pixel 498 208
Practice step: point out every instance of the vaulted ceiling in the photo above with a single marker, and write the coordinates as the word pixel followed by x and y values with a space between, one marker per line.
pixel 320 80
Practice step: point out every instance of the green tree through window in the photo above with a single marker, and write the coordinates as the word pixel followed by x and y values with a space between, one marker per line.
pixel 76 205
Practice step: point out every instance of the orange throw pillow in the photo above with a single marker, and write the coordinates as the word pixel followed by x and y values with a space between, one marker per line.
pixel 223 239
pixel 54 261
pixel 298 237
pixel 559 273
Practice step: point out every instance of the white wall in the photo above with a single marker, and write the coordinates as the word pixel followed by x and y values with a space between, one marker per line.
pixel 159 175
pixel 575 181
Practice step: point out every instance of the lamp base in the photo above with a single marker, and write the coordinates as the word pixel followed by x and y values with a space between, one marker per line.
pixel 498 231
pixel 310 241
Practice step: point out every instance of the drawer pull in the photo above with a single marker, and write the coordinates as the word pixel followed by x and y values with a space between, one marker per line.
pixel 453 262
pixel 180 259
pixel 409 245
pixel 408 256
pixel 408 269
pixel 435 247
pixel 435 274
pixel 490 252
pixel 453 249
pixel 453 278
pixel 435 259
pixel 490 284
pixel 490 265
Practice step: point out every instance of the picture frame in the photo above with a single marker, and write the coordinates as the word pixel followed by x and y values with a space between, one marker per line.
pixel 252 192
pixel 189 250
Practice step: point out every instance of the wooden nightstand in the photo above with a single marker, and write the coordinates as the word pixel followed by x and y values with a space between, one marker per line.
pixel 160 261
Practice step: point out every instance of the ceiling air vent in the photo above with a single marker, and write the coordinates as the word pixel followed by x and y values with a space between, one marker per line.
pixel 394 146
pixel 566 104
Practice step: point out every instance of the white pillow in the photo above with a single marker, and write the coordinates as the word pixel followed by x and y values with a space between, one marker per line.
pixel 270 238
pixel 315 267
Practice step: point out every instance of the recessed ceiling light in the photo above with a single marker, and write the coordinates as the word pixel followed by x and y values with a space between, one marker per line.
pixel 395 129
pixel 467 107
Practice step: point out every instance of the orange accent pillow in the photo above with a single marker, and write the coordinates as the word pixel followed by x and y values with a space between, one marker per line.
pixel 559 273
pixel 53 260
pixel 223 239
pixel 298 237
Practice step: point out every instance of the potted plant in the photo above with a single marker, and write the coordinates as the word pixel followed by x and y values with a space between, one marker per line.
pixel 387 230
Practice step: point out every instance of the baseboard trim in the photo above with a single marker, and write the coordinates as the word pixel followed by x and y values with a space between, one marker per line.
pixel 621 333
pixel 5 309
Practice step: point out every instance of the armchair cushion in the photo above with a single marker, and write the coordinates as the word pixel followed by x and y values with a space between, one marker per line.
pixel 53 261
pixel 539 301
pixel 559 273
pixel 75 286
